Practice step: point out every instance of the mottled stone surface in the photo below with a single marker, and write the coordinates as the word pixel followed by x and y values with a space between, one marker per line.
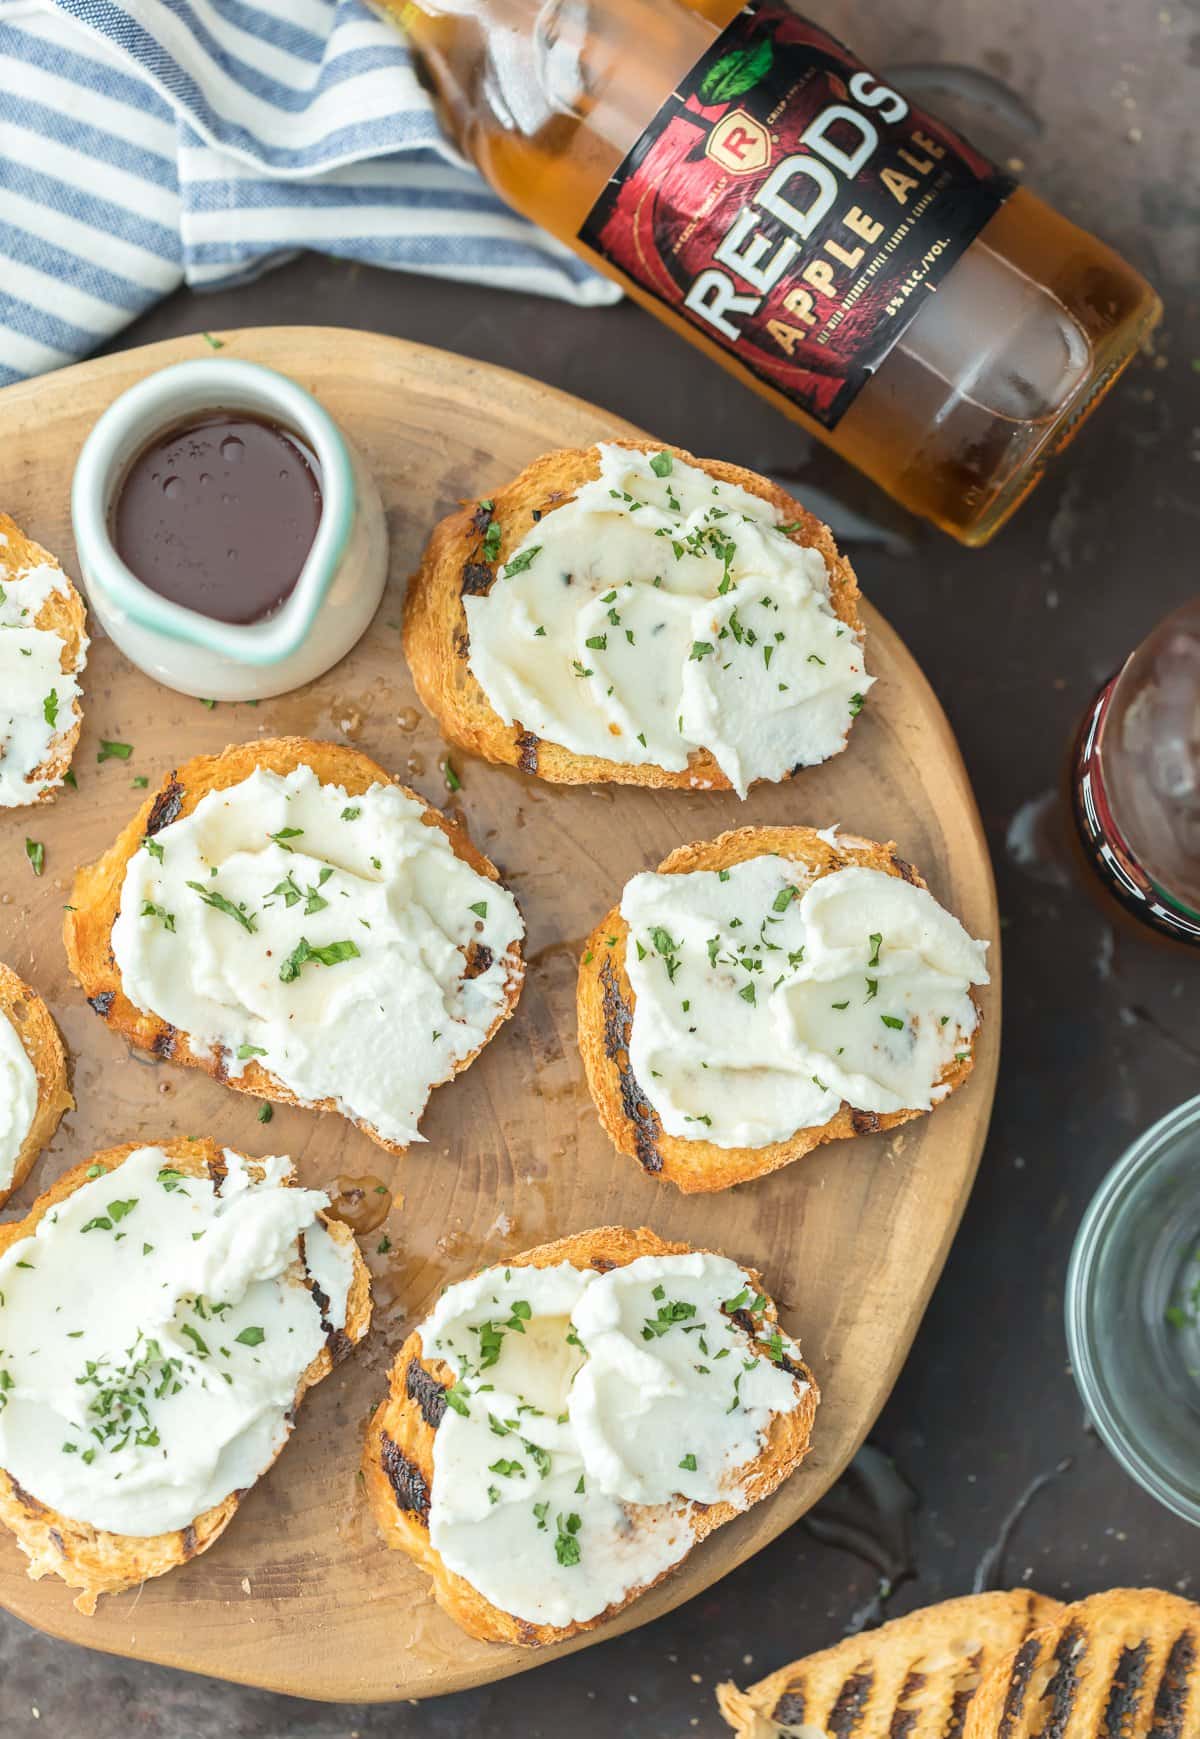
pixel 1099 1028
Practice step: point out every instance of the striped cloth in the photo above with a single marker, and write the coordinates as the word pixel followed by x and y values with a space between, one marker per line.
pixel 149 143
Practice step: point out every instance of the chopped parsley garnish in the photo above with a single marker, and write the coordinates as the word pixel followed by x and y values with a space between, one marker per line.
pixel 284 834
pixel 212 897
pixel 251 1337
pixel 245 1052
pixel 519 563
pixel 169 1178
pixel 480 909
pixel 662 464
pixel 893 1021
pixel 332 954
pixel 700 649
pixel 35 851
pixel 857 702
pixel 458 1403
pixel 876 941
pixel 566 1544
pixel 265 1114
pixel 50 708
pixel 688 1463
pixel 784 898
pixel 114 751
pixel 351 812
pixel 491 540
pixel 597 643
pixel 154 847
pixel 678 1310
pixel 167 919
pixel 453 782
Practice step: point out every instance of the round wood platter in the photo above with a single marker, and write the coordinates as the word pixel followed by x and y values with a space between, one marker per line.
pixel 299 1595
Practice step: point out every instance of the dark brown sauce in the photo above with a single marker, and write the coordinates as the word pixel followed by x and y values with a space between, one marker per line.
pixel 219 515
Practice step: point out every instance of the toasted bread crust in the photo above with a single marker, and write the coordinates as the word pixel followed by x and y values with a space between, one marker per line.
pixel 605 1003
pixel 96 900
pixel 34 1025
pixel 1126 1662
pixel 454 565
pixel 63 614
pixel 398 1452
pixel 91 1559
pixel 915 1675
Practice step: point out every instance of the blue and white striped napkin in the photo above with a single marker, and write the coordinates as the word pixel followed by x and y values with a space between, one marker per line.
pixel 150 143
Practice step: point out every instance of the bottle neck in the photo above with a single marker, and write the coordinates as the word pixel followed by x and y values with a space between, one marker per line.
pixel 524 67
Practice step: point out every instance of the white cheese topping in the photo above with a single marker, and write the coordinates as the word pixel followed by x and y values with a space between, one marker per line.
pixel 322 935
pixel 37 697
pixel 765 998
pixel 18 1099
pixel 658 612
pixel 589 1409
pixel 154 1330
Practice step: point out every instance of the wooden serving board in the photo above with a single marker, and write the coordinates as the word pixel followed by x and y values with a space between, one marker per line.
pixel 299 1595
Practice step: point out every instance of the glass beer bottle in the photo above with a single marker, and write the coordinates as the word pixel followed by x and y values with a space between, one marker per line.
pixel 853 259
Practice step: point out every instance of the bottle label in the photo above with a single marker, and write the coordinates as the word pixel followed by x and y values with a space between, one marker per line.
pixel 794 208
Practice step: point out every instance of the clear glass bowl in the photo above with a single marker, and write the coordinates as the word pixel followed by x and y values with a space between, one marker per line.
pixel 1133 1310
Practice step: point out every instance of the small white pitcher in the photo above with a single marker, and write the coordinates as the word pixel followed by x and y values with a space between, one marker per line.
pixel 340 584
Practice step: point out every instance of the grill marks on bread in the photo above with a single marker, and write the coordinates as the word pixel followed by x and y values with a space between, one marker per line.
pixel 914 1678
pixel 1120 1665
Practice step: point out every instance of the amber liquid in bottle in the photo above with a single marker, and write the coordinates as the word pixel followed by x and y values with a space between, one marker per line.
pixel 992 376
pixel 1135 780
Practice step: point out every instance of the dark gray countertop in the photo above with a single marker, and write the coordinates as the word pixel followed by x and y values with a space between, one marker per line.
pixel 1099 1026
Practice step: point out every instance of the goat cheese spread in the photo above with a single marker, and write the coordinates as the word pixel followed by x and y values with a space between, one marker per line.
pixel 156 1326
pixel 330 938
pixel 18 1099
pixel 37 696
pixel 765 997
pixel 658 612
pixel 589 1410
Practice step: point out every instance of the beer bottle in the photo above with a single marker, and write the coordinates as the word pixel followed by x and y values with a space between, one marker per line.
pixel 745 177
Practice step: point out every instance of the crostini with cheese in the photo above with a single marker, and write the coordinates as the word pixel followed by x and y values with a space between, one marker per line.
pixel 288 917
pixel 566 1426
pixel 33 1080
pixel 766 992
pixel 130 1434
pixel 43 650
pixel 631 613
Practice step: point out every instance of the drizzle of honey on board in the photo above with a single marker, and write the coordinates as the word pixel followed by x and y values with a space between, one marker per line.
pixel 362 1203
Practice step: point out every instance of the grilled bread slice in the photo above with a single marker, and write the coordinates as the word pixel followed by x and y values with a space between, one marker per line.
pixel 398 1453
pixel 93 1560
pixel 63 614
pixel 1125 1663
pixel 96 899
pixel 460 560
pixel 917 1676
pixel 605 1004
pixel 34 1026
